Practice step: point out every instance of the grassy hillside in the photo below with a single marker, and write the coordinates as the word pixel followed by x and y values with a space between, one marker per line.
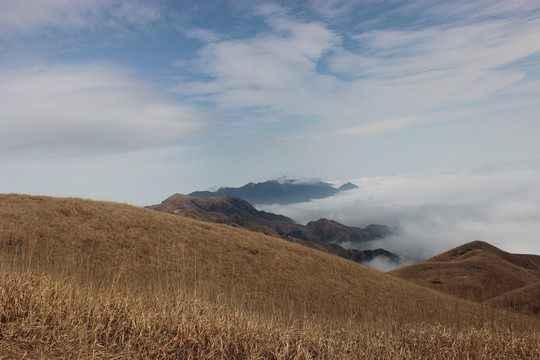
pixel 96 279
pixel 525 300
pixel 480 272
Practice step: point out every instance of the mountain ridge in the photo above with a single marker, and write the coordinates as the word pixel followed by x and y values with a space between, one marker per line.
pixel 279 192
pixel 323 234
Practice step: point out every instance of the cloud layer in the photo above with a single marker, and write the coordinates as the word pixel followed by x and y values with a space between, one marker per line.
pixel 434 213
pixel 86 110
pixel 34 17
pixel 378 80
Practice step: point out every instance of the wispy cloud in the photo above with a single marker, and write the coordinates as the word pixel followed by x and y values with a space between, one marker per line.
pixel 84 110
pixel 300 68
pixel 32 18
pixel 203 35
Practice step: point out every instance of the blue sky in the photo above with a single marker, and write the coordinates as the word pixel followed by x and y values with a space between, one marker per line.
pixel 133 101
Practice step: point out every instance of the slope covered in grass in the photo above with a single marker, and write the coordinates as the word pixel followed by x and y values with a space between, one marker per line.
pixel 86 278
pixel 477 271
pixel 46 319
pixel 524 300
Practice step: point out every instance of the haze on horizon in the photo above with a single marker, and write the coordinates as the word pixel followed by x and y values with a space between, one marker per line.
pixel 431 107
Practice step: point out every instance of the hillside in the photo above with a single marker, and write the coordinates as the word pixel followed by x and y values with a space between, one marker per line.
pixel 86 277
pixel 323 234
pixel 147 247
pixel 525 300
pixel 279 192
pixel 477 271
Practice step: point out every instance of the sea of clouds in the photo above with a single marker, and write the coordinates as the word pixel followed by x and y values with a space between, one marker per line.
pixel 432 213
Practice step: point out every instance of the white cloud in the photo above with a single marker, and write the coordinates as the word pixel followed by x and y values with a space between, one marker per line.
pixel 471 48
pixel 383 263
pixel 25 17
pixel 381 126
pixel 466 10
pixel 392 80
pixel 273 69
pixel 86 109
pixel 333 9
pixel 436 212
pixel 137 13
pixel 202 34
pixel 34 17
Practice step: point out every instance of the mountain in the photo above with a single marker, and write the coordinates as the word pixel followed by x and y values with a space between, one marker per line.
pixel 221 209
pixel 92 279
pixel 330 231
pixel 279 192
pixel 323 234
pixel 479 272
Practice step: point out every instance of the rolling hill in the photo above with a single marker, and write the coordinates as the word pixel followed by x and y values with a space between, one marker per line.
pixel 480 272
pixel 525 300
pixel 89 279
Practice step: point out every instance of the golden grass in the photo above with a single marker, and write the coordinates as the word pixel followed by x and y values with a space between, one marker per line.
pixel 47 319
pixel 525 300
pixel 86 279
pixel 480 272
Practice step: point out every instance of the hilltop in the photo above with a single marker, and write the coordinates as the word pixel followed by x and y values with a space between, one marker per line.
pixel 481 272
pixel 323 234
pixel 89 279
pixel 279 192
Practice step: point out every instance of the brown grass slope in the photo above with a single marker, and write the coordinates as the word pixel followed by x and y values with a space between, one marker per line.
pixel 92 241
pixel 525 300
pixel 46 319
pixel 476 271
pixel 82 278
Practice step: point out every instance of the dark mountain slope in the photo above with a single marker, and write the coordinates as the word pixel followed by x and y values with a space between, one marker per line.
pixel 229 210
pixel 330 231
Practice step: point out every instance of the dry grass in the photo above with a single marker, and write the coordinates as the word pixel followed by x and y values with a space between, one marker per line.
pixel 480 272
pixel 525 300
pixel 85 279
pixel 46 319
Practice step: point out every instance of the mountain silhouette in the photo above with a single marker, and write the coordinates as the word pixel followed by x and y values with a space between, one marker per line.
pixel 279 192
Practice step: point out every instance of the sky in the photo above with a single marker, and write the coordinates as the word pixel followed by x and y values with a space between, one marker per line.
pixel 431 107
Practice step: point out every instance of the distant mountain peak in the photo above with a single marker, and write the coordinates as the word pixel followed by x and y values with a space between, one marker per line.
pixel 279 191
pixel 347 186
